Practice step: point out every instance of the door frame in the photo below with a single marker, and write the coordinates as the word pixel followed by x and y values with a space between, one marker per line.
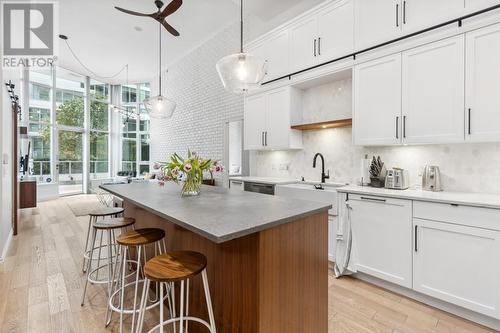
pixel 62 128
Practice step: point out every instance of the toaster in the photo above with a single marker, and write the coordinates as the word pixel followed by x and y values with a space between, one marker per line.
pixel 397 179
pixel 431 179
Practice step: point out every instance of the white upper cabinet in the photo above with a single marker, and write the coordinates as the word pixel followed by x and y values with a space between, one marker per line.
pixel 418 14
pixel 376 21
pixel 379 21
pixel 440 252
pixel 255 115
pixel 326 35
pixel 472 5
pixel 433 92
pixel 274 50
pixel 268 120
pixel 336 30
pixel 382 237
pixel 482 77
pixel 304 43
pixel 377 102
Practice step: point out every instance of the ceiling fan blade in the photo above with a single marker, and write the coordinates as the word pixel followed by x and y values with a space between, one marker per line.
pixel 170 28
pixel 134 13
pixel 171 8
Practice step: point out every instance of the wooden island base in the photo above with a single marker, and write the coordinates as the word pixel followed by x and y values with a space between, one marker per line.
pixel 273 281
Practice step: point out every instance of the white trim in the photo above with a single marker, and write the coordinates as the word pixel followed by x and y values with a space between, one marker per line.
pixel 6 246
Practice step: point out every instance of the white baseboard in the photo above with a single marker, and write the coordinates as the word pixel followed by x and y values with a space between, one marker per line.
pixel 6 247
pixel 445 306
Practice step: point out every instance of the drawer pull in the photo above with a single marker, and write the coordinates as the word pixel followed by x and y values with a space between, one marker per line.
pixel 373 199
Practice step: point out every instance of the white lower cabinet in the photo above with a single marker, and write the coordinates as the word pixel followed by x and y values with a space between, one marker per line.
pixel 382 237
pixel 458 264
pixel 236 185
pixel 332 236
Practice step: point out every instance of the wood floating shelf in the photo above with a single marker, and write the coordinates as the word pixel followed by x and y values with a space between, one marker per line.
pixel 324 125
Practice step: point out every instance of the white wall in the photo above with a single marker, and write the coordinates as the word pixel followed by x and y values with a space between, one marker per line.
pixel 203 106
pixel 6 151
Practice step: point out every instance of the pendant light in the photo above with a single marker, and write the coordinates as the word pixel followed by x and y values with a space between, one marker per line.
pixel 161 107
pixel 241 72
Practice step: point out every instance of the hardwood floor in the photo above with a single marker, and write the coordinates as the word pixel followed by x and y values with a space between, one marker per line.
pixel 41 286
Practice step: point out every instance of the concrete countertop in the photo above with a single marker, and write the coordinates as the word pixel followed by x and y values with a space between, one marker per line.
pixel 217 214
pixel 264 180
pixel 458 198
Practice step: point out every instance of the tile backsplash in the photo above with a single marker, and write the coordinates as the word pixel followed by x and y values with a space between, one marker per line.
pixel 464 167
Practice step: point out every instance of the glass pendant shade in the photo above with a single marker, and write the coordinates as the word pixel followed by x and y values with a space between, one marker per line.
pixel 241 72
pixel 161 107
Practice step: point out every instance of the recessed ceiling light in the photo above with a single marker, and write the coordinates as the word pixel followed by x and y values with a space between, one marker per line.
pixel 137 28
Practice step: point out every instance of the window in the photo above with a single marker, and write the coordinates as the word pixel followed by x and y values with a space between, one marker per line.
pixel 99 130
pixel 39 123
pixel 135 128
pixel 70 90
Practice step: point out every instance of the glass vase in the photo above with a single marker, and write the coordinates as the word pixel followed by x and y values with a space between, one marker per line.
pixel 191 186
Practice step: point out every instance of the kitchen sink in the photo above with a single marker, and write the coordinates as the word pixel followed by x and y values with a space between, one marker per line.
pixel 308 191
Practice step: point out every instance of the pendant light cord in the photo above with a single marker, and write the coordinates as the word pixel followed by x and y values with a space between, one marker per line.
pixel 241 26
pixel 159 61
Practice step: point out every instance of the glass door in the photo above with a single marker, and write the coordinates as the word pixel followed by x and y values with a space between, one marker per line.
pixel 70 162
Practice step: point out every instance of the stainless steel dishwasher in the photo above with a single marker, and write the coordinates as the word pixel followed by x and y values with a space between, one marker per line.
pixel 259 188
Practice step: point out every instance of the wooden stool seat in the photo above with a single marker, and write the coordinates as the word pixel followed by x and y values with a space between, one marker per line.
pixel 114 223
pixel 175 266
pixel 106 211
pixel 140 237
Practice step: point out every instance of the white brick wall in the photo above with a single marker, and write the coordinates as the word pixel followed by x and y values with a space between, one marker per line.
pixel 203 106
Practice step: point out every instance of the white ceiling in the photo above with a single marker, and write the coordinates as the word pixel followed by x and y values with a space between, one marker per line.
pixel 105 39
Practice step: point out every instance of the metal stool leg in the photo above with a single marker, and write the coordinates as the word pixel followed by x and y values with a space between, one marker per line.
pixel 209 302
pixel 89 263
pixel 91 218
pixel 138 269
pixel 122 296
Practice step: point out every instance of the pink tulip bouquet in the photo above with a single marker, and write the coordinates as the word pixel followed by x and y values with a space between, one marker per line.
pixel 189 170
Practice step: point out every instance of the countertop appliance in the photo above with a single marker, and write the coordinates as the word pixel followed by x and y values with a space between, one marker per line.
pixel 397 179
pixel 431 179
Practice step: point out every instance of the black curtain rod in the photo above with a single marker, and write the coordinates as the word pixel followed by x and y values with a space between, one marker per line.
pixel 392 41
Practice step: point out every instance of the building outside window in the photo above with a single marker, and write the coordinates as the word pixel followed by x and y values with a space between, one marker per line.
pixel 135 129
pixel 39 123
pixel 99 130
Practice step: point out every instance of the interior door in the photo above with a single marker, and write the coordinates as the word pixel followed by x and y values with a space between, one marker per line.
pixel 433 92
pixel 458 264
pixel 69 169
pixel 382 237
pixel 482 74
pixel 376 21
pixel 255 121
pixel 304 44
pixel 377 102
pixel 278 119
pixel 336 30
pixel 418 14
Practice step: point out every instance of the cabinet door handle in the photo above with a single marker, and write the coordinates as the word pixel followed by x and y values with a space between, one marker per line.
pixel 404 12
pixel 319 45
pixel 315 41
pixel 265 138
pixel 373 199
pixel 469 121
pixel 397 127
pixel 404 127
pixel 397 15
pixel 416 238
pixel 262 139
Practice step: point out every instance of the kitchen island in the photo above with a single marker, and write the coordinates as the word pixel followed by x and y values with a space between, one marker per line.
pixel 267 256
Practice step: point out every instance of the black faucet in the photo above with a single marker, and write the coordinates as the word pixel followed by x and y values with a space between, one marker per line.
pixel 323 175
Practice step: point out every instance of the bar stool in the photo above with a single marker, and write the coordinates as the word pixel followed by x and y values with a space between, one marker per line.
pixel 173 267
pixel 109 226
pixel 101 212
pixel 138 239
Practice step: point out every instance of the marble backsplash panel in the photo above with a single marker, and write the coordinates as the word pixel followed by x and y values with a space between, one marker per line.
pixel 464 167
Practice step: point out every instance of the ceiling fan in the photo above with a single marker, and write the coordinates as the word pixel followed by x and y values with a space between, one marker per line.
pixel 160 15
